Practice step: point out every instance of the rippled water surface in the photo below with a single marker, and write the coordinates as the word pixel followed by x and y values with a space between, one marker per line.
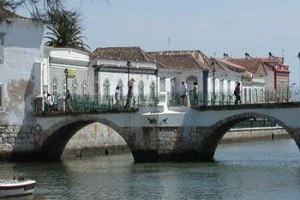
pixel 252 170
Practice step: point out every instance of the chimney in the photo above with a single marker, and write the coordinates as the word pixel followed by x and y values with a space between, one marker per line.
pixel 225 55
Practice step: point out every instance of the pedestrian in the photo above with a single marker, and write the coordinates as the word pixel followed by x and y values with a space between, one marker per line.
pixel 237 94
pixel 68 101
pixel 50 102
pixel 195 93
pixel 45 99
pixel 183 93
pixel 117 95
pixel 129 97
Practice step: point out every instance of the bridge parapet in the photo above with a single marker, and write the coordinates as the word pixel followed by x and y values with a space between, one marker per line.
pixel 171 134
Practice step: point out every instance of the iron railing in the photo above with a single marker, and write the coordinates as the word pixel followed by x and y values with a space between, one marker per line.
pixel 227 98
pixel 88 103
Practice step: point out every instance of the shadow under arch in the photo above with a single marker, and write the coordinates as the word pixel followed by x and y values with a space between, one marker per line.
pixel 219 129
pixel 57 136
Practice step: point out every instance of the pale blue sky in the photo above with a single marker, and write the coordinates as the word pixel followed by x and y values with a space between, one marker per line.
pixel 212 26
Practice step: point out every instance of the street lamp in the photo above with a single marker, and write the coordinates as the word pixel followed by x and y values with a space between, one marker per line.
pixel 299 68
pixel 66 74
pixel 213 63
pixel 129 96
pixel 66 71
pixel 128 64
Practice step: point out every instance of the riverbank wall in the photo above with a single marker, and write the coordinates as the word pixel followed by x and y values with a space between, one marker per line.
pixel 98 139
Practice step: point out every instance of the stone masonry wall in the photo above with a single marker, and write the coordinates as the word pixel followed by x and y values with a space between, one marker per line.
pixel 254 133
pixel 16 138
pixel 95 139
pixel 100 139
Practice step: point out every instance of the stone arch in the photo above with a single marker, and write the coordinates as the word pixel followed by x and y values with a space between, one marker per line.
pixel 219 129
pixel 56 137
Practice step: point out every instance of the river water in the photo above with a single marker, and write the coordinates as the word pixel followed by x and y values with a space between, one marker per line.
pixel 252 170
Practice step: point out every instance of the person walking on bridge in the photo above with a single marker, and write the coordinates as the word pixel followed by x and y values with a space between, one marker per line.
pixel 237 94
pixel 183 93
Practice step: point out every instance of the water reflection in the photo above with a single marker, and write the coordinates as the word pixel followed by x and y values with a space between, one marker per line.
pixel 254 170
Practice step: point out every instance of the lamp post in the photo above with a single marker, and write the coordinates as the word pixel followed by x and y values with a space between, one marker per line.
pixel 66 74
pixel 214 80
pixel 128 64
pixel 66 71
pixel 299 69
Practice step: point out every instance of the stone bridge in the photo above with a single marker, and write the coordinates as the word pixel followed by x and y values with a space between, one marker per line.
pixel 157 134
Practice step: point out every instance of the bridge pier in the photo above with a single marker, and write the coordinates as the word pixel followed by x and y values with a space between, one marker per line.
pixel 171 144
pixel 295 134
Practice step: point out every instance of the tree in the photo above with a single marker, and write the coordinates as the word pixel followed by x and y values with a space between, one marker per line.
pixel 64 30
pixel 37 8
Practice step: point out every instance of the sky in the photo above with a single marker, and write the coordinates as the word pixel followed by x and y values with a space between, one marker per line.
pixel 212 26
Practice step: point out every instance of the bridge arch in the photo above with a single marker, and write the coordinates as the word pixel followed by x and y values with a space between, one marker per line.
pixel 220 128
pixel 55 138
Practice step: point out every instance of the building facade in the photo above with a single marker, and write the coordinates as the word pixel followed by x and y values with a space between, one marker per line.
pixel 268 80
pixel 125 67
pixel 20 64
pixel 65 68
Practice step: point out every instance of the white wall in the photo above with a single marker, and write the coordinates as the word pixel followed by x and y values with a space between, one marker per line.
pixel 19 70
pixel 120 73
pixel 56 60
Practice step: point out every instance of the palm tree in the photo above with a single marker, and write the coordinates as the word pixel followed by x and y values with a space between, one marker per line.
pixel 38 9
pixel 64 30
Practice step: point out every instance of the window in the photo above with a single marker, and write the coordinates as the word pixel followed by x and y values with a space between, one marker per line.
pixel 1 97
pixel 173 88
pixel 2 47
pixel 120 84
pixel 74 86
pixel 250 95
pixel 84 88
pixel 162 84
pixel 245 95
pixel 106 89
pixel 141 91
pixel 152 91
pixel 54 87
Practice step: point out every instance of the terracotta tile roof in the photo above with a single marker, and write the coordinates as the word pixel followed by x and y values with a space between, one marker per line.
pixel 252 65
pixel 230 65
pixel 276 63
pixel 182 60
pixel 8 15
pixel 122 53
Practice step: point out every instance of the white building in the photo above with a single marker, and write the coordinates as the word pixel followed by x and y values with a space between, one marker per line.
pixel 20 63
pixel 216 82
pixel 58 61
pixel 118 66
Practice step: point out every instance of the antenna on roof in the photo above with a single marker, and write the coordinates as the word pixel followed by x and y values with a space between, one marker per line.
pixel 247 55
pixel 169 43
pixel 226 55
pixel 282 51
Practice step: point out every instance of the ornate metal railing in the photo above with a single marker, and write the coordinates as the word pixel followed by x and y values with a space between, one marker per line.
pixel 222 98
pixel 88 103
